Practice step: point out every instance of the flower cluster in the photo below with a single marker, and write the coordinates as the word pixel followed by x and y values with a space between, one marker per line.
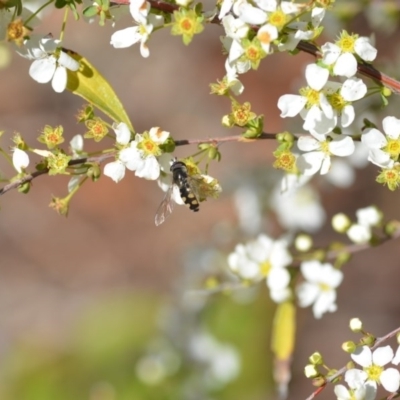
pixel 266 258
pixel 324 106
pixel 268 18
pixel 140 33
pixel 139 155
pixel 384 150
pixel 363 384
pixel 360 231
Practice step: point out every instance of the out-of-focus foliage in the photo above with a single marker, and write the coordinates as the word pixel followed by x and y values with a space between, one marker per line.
pixel 98 359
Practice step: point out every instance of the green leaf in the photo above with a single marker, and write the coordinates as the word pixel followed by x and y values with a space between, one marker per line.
pixel 88 83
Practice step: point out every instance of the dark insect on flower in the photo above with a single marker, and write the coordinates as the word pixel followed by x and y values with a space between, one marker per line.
pixel 187 188
pixel 192 189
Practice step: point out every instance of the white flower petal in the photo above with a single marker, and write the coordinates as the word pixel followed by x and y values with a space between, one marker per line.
pixel 122 133
pixel 251 15
pixel 125 37
pixel 310 163
pixel 316 76
pixel 150 169
pixel 325 165
pixel 42 70
pixel 59 82
pixel 278 278
pixel 115 170
pixel 391 127
pixel 76 143
pixel 347 116
pixel 307 293
pixel 324 303
pixel 373 138
pixel 131 157
pixel 346 65
pixel 380 158
pixel 330 52
pixel 67 61
pixel 359 233
pixel 342 146
pixel 158 135
pixel 362 356
pixel 382 355
pixel 342 393
pixel 308 143
pixel 291 104
pixel 353 89
pixel 396 359
pixel 390 379
pixel 20 159
pixel 364 49
pixel 355 377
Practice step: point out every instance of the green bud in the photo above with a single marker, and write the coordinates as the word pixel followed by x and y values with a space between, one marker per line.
pixel 316 359
pixel 24 188
pixel 349 347
pixel 94 172
pixel 386 92
pixel 319 381
pixel 168 146
pixel 254 128
pixel 368 340
pixel 392 227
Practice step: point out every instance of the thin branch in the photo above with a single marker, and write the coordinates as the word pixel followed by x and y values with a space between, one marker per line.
pixel 28 178
pixel 234 138
pixel 99 159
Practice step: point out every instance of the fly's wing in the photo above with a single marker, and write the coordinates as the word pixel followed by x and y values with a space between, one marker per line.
pixel 165 208
pixel 202 188
pixel 195 182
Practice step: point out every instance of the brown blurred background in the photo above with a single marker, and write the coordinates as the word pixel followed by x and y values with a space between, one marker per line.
pixel 52 268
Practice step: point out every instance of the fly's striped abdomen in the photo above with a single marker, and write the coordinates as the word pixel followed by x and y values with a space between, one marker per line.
pixel 180 179
pixel 188 197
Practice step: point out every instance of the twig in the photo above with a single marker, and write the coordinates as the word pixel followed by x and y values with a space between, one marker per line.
pixel 35 174
pixel 100 159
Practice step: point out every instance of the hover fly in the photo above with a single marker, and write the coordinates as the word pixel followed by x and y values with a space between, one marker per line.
pixel 192 189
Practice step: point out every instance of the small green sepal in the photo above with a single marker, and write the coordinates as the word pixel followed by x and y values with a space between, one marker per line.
pixel 168 146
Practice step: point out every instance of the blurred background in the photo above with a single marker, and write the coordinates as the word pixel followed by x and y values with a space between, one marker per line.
pixel 104 305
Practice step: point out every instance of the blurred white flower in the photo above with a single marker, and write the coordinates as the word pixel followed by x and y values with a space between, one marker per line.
pixel 319 289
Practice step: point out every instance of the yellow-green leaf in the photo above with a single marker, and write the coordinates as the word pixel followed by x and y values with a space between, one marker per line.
pixel 88 83
pixel 284 329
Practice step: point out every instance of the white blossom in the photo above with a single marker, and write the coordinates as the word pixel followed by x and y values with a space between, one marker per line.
pixel 342 54
pixel 134 34
pixel 50 62
pixel 320 151
pixel 373 364
pixel 319 289
pixel 312 103
pixel 264 257
pixel 384 148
